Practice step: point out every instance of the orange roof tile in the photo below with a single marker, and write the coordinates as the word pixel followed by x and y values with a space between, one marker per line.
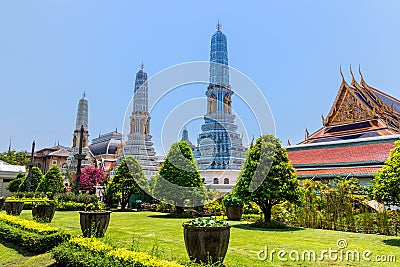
pixel 351 153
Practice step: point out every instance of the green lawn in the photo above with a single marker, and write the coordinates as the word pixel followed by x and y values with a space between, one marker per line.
pixel 151 232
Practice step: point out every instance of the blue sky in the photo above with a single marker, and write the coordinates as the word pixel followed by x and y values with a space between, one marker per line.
pixel 52 51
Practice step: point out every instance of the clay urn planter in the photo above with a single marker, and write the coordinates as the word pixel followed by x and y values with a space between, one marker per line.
pixel 13 207
pixel 44 212
pixel 94 223
pixel 234 207
pixel 206 240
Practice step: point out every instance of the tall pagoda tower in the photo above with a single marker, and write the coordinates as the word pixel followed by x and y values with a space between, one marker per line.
pixel 219 147
pixel 139 142
pixel 82 119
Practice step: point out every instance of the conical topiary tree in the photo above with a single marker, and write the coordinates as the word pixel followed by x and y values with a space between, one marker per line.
pixel 179 179
pixel 15 183
pixel 267 177
pixel 128 179
pixel 52 182
pixel 37 176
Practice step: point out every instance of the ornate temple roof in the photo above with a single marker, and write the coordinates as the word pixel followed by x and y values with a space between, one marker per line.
pixel 356 136
pixel 359 111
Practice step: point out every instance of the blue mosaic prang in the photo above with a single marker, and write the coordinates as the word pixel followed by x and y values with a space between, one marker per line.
pixel 219 146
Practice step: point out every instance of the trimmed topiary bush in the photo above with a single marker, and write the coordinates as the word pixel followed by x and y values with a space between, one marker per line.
pixel 30 235
pixel 91 252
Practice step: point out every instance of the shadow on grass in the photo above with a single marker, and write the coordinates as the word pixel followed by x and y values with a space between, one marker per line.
pixel 249 226
pixel 171 216
pixel 392 242
pixel 21 251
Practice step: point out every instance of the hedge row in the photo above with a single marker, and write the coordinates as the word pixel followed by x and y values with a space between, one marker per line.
pixel 31 241
pixel 91 252
pixel 30 226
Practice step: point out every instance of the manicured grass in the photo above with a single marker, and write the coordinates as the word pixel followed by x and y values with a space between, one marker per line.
pixel 151 232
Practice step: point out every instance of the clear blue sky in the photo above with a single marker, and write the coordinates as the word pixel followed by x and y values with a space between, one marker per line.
pixel 52 51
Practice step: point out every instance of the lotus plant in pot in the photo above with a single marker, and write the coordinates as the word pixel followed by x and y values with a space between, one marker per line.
pixel 206 239
pixel 234 207
pixel 44 211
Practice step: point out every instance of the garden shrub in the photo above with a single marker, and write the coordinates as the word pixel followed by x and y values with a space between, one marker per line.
pixel 30 199
pixel 30 226
pixel 90 252
pixel 251 208
pixel 29 203
pixel 269 225
pixel 32 236
pixel 165 207
pixel 214 206
pixel 70 201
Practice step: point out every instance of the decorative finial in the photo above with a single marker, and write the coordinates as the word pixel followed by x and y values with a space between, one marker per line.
pixel 323 119
pixel 219 26
pixel 307 134
pixel 288 142
pixel 142 66
pixel 359 71
pixel 352 76
pixel 84 94
pixel 341 73
pixel 116 126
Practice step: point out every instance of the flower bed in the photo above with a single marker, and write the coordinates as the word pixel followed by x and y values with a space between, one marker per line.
pixel 81 251
pixel 32 236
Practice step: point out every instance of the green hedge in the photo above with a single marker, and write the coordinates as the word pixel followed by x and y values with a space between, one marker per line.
pixel 27 225
pixel 31 241
pixel 90 252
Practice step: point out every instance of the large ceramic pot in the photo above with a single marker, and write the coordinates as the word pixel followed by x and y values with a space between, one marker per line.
pixel 13 207
pixel 1 202
pixel 94 223
pixel 206 244
pixel 44 213
pixel 234 213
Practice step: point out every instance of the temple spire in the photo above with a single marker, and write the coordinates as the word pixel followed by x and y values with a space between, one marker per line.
pixel 219 26
pixel 142 66
pixel 81 120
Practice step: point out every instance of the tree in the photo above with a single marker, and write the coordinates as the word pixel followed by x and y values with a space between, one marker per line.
pixel 179 179
pixel 90 177
pixel 14 158
pixel 128 179
pixel 52 182
pixel 37 176
pixel 268 166
pixel 15 183
pixel 386 184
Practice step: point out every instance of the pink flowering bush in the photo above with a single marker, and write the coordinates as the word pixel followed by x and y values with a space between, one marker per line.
pixel 90 177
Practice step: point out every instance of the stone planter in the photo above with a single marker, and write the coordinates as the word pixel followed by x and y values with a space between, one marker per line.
pixel 13 208
pixel 44 213
pixel 234 213
pixel 206 244
pixel 94 223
